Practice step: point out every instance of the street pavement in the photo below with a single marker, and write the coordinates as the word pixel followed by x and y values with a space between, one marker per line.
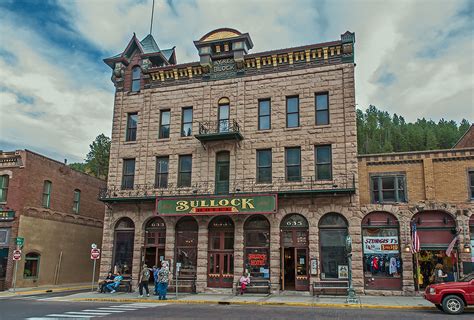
pixel 61 306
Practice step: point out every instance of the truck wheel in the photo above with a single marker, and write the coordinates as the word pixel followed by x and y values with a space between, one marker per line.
pixel 439 307
pixel 453 305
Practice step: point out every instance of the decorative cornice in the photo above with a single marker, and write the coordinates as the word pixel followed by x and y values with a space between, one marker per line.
pixel 52 215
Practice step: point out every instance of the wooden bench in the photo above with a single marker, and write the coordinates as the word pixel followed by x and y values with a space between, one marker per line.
pixel 124 286
pixel 255 286
pixel 330 286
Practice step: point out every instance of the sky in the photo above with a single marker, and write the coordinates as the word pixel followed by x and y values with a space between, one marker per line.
pixel 414 58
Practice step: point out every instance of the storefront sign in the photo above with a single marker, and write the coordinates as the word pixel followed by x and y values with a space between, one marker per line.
pixel 343 272
pixel 314 267
pixel 257 259
pixel 217 205
pixel 7 215
pixel 223 68
pixel 381 245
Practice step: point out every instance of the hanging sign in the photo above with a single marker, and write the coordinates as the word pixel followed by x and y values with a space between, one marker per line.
pixel 381 245
pixel 240 204
pixel 7 215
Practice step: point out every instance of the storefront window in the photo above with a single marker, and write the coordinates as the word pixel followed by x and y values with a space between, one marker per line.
pixel 4 237
pixel 332 239
pixel 186 246
pixel 381 249
pixel 31 269
pixel 257 247
pixel 123 248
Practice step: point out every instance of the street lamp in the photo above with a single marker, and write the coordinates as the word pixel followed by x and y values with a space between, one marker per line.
pixel 351 295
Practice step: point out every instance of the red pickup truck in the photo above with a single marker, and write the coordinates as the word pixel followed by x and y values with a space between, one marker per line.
pixel 452 297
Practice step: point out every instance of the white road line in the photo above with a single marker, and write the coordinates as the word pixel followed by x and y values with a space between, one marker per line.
pixel 110 310
pixel 95 313
pixel 60 316
pixel 96 310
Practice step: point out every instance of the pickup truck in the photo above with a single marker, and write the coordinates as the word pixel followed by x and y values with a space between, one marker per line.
pixel 452 297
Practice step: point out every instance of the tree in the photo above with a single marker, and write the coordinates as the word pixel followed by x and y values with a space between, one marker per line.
pixel 97 160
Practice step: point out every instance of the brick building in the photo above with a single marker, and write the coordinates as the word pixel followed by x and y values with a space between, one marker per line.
pixel 241 161
pixel 432 190
pixel 55 209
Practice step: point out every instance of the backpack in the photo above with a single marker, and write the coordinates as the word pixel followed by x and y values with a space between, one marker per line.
pixel 145 275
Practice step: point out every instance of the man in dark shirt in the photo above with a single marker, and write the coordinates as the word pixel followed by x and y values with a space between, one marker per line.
pixel 109 279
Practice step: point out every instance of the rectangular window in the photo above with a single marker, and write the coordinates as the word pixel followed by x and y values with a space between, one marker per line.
pixel 187 122
pixel 132 119
pixel 471 184
pixel 322 108
pixel 264 119
pixel 4 187
pixel 161 179
pixel 164 124
pixel 47 194
pixel 388 188
pixel 323 163
pixel 293 164
pixel 128 176
pixel 292 112
pixel 77 200
pixel 31 269
pixel 264 166
pixel 185 169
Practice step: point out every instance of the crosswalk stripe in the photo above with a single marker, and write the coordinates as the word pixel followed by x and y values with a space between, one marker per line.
pixel 95 313
pixel 97 310
pixel 59 316
pixel 123 308
pixel 111 310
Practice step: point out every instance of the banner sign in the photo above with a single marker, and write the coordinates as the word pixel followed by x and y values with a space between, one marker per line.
pixel 211 205
pixel 7 215
pixel 381 245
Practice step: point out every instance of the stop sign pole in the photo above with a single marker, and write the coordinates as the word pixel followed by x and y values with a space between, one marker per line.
pixel 95 254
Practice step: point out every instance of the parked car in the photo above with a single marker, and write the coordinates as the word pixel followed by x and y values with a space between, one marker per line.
pixel 452 297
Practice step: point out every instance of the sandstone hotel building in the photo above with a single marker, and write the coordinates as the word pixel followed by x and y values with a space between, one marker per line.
pixel 245 162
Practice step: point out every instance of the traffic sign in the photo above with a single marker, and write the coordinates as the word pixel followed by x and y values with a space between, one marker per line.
pixel 20 241
pixel 95 254
pixel 16 255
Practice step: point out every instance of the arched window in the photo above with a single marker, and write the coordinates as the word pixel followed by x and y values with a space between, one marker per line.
pixel 31 270
pixel 4 187
pixel 76 201
pixel 332 240
pixel 381 249
pixel 186 246
pixel 124 236
pixel 47 194
pixel 257 246
pixel 136 78
pixel 223 115
pixel 155 239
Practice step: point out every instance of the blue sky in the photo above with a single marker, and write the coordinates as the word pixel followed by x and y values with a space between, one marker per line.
pixel 414 58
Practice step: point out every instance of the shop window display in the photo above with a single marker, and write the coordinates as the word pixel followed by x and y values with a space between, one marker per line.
pixel 332 239
pixel 257 247
pixel 381 253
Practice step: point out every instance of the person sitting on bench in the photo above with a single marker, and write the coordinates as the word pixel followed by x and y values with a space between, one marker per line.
pixel 244 282
pixel 109 279
pixel 112 287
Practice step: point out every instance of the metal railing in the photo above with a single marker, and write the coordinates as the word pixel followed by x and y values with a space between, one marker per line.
pixel 236 186
pixel 219 127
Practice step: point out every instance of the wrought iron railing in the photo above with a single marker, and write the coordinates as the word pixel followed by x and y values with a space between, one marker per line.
pixel 219 127
pixel 344 183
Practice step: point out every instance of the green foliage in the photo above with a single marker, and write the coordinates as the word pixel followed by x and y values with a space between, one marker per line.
pixel 97 160
pixel 379 132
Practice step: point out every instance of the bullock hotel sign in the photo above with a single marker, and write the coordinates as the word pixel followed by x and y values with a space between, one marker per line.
pixel 242 204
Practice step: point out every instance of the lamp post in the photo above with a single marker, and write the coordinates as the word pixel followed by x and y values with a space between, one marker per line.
pixel 351 295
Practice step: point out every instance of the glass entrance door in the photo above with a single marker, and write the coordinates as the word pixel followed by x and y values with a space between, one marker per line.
pixel 221 253
pixel 222 172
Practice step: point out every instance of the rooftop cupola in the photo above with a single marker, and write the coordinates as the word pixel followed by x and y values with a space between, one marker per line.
pixel 223 43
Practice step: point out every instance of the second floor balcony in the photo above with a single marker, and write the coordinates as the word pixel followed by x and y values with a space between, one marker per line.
pixel 344 185
pixel 225 129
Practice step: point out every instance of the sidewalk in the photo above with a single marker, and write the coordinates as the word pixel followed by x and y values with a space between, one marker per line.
pixel 45 289
pixel 382 302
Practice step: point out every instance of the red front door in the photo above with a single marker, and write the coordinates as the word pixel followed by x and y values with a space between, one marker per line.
pixel 221 258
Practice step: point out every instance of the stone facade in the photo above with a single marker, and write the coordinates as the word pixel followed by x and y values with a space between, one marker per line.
pixel 49 231
pixel 276 75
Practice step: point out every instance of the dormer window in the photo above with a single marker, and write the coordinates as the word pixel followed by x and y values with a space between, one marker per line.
pixel 136 77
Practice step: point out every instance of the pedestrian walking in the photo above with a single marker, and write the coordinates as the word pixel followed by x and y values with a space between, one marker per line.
pixel 155 279
pixel 439 274
pixel 163 280
pixel 244 282
pixel 143 281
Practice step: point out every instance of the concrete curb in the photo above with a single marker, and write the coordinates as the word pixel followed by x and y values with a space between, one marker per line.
pixel 259 303
pixel 47 290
